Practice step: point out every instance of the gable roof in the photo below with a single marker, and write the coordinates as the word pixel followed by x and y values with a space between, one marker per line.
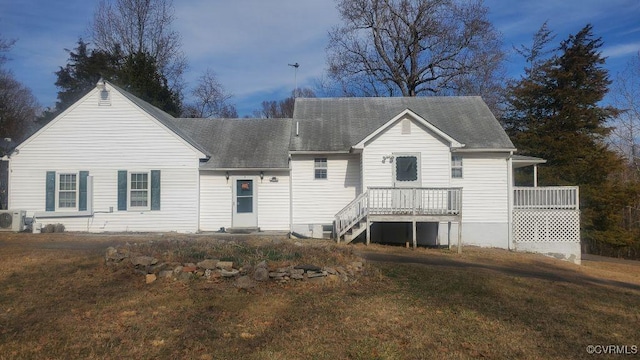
pixel 241 143
pixel 160 115
pixel 337 124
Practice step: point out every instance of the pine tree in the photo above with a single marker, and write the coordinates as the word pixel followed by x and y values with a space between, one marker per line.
pixel 555 112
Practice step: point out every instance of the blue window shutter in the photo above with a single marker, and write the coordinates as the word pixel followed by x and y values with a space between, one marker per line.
pixel 155 189
pixel 122 190
pixel 82 206
pixel 51 191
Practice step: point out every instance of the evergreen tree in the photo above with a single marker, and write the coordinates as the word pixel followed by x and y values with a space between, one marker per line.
pixel 140 76
pixel 137 73
pixel 555 113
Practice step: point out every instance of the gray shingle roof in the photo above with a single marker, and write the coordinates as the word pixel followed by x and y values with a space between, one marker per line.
pixel 336 124
pixel 241 143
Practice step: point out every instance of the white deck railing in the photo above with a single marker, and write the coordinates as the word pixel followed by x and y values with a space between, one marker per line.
pixel 399 201
pixel 546 198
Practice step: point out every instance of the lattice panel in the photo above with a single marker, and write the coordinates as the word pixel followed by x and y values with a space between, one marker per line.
pixel 546 225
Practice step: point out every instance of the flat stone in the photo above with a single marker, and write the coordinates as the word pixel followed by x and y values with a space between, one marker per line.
pixel 208 264
pixel 189 269
pixel 276 275
pixel 244 282
pixel 226 265
pixel 311 275
pixel 330 271
pixel 150 278
pixel 297 271
pixel 297 277
pixel 308 267
pixel 261 274
pixel 166 273
pixel 143 260
pixel 229 273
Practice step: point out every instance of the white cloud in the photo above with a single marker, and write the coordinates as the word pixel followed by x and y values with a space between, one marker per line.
pixel 621 50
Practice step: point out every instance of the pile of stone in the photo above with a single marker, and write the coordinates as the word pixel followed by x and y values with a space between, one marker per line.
pixel 244 277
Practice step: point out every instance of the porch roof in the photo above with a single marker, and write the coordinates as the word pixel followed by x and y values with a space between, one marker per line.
pixel 519 161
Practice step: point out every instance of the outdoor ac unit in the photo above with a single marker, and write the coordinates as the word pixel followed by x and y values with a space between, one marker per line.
pixel 12 220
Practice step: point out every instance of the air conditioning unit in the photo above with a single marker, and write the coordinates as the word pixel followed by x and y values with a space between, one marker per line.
pixel 12 220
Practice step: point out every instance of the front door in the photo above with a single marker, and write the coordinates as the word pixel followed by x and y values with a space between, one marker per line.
pixel 245 210
pixel 406 174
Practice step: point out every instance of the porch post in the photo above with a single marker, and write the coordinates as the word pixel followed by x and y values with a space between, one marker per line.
pixel 535 175
pixel 449 234
pixel 368 231
pixel 415 242
pixel 460 236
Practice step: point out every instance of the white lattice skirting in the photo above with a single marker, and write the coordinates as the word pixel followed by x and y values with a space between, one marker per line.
pixel 546 226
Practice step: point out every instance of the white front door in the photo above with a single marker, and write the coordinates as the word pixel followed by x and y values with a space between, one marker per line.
pixel 245 204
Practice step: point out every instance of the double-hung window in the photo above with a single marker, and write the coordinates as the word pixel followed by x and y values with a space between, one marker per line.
pixel 456 166
pixel 139 190
pixel 320 168
pixel 67 191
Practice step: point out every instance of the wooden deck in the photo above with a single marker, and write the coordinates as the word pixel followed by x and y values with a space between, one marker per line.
pixel 382 204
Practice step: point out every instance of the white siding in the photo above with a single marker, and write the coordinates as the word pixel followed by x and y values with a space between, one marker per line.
pixel 485 201
pixel 485 188
pixel 216 200
pixel 316 201
pixel 103 140
pixel 434 155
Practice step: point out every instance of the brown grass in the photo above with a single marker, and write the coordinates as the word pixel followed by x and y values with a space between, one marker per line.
pixel 58 300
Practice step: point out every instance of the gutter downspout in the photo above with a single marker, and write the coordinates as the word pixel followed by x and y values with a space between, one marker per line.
pixel 290 195
pixel 510 200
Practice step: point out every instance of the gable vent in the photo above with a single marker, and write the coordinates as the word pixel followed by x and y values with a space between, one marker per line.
pixel 406 127
pixel 105 98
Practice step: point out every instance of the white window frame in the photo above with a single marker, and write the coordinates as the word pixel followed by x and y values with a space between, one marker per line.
pixel 130 190
pixel 59 190
pixel 457 164
pixel 317 161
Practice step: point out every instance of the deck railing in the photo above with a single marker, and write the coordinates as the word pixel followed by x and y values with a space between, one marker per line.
pixel 399 201
pixel 546 198
pixel 415 201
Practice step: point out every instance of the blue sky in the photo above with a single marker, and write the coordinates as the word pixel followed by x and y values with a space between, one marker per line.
pixel 249 43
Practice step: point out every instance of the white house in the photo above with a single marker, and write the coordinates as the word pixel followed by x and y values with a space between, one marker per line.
pixel 425 170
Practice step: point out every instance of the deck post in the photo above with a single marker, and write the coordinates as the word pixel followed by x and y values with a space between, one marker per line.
pixel 368 231
pixel 415 239
pixel 449 234
pixel 460 236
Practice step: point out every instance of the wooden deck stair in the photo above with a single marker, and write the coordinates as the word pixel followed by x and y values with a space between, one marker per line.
pixel 355 231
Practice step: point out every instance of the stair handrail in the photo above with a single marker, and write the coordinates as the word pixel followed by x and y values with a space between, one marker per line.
pixel 351 214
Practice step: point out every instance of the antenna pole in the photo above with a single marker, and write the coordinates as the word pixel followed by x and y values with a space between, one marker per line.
pixel 295 79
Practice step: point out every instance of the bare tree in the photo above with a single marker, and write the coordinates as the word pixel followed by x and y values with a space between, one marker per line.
pixel 18 106
pixel 283 108
pixel 132 27
pixel 412 47
pixel 211 99
pixel 625 135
